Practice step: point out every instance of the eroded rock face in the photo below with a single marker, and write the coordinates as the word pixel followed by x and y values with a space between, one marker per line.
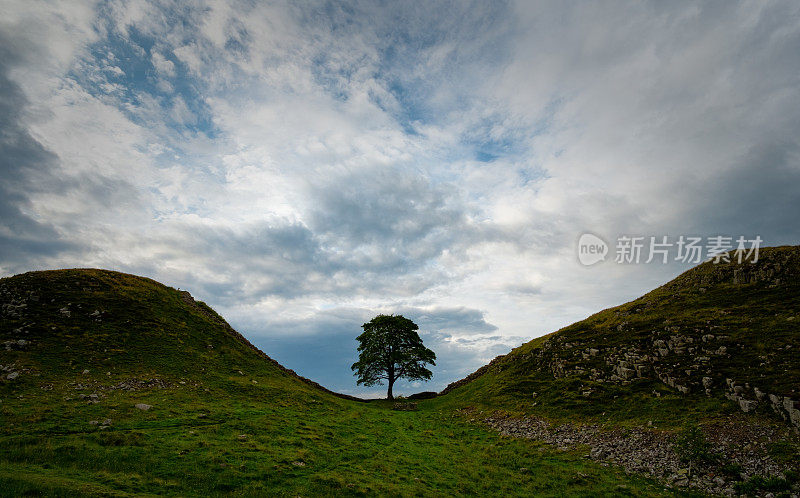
pixel 677 360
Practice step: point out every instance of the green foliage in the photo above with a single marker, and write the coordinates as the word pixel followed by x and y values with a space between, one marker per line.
pixel 390 349
pixel 784 451
pixel 757 484
pixel 731 470
pixel 692 447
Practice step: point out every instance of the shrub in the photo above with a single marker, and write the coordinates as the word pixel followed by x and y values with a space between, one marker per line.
pixel 692 447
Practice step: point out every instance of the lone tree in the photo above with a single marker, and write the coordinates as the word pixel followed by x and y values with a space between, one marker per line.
pixel 389 349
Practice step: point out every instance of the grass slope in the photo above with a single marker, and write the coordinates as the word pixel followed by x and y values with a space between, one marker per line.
pixel 725 321
pixel 83 347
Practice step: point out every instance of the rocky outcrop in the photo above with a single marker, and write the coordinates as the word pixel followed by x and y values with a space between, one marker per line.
pixel 677 360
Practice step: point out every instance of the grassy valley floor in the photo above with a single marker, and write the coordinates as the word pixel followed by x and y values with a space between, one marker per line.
pixel 266 440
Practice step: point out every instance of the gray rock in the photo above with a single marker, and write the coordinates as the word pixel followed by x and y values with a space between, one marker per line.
pixel 747 405
pixel 12 375
pixel 143 406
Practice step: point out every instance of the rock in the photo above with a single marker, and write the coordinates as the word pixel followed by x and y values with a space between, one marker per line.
pixel 15 344
pixel 107 422
pixel 94 422
pixel 298 463
pixel 747 405
pixel 86 371
pixel 143 406
pixel 12 375
pixel 597 453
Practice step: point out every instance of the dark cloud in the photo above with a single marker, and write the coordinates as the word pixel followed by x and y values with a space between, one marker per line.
pixel 758 196
pixel 24 166
pixel 449 321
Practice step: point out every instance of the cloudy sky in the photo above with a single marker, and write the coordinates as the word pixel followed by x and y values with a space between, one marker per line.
pixel 303 167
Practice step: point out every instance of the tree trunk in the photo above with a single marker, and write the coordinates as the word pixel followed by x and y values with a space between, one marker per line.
pixel 389 394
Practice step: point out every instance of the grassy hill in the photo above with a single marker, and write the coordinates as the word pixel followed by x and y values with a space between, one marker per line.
pixel 696 382
pixel 103 328
pixel 718 339
pixel 115 385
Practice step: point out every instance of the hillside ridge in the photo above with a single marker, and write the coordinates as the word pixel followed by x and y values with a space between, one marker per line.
pixel 213 315
pixel 723 330
pixel 21 293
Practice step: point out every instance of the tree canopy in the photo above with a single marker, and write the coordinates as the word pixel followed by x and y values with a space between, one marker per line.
pixel 389 349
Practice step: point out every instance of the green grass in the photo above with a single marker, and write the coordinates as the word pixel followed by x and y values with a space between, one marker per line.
pixel 192 443
pixel 225 419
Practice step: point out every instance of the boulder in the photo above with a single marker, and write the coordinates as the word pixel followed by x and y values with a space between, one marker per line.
pixel 747 405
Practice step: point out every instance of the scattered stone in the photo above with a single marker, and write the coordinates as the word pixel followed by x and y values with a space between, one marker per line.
pixel 650 451
pixel 12 375
pixel 143 406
